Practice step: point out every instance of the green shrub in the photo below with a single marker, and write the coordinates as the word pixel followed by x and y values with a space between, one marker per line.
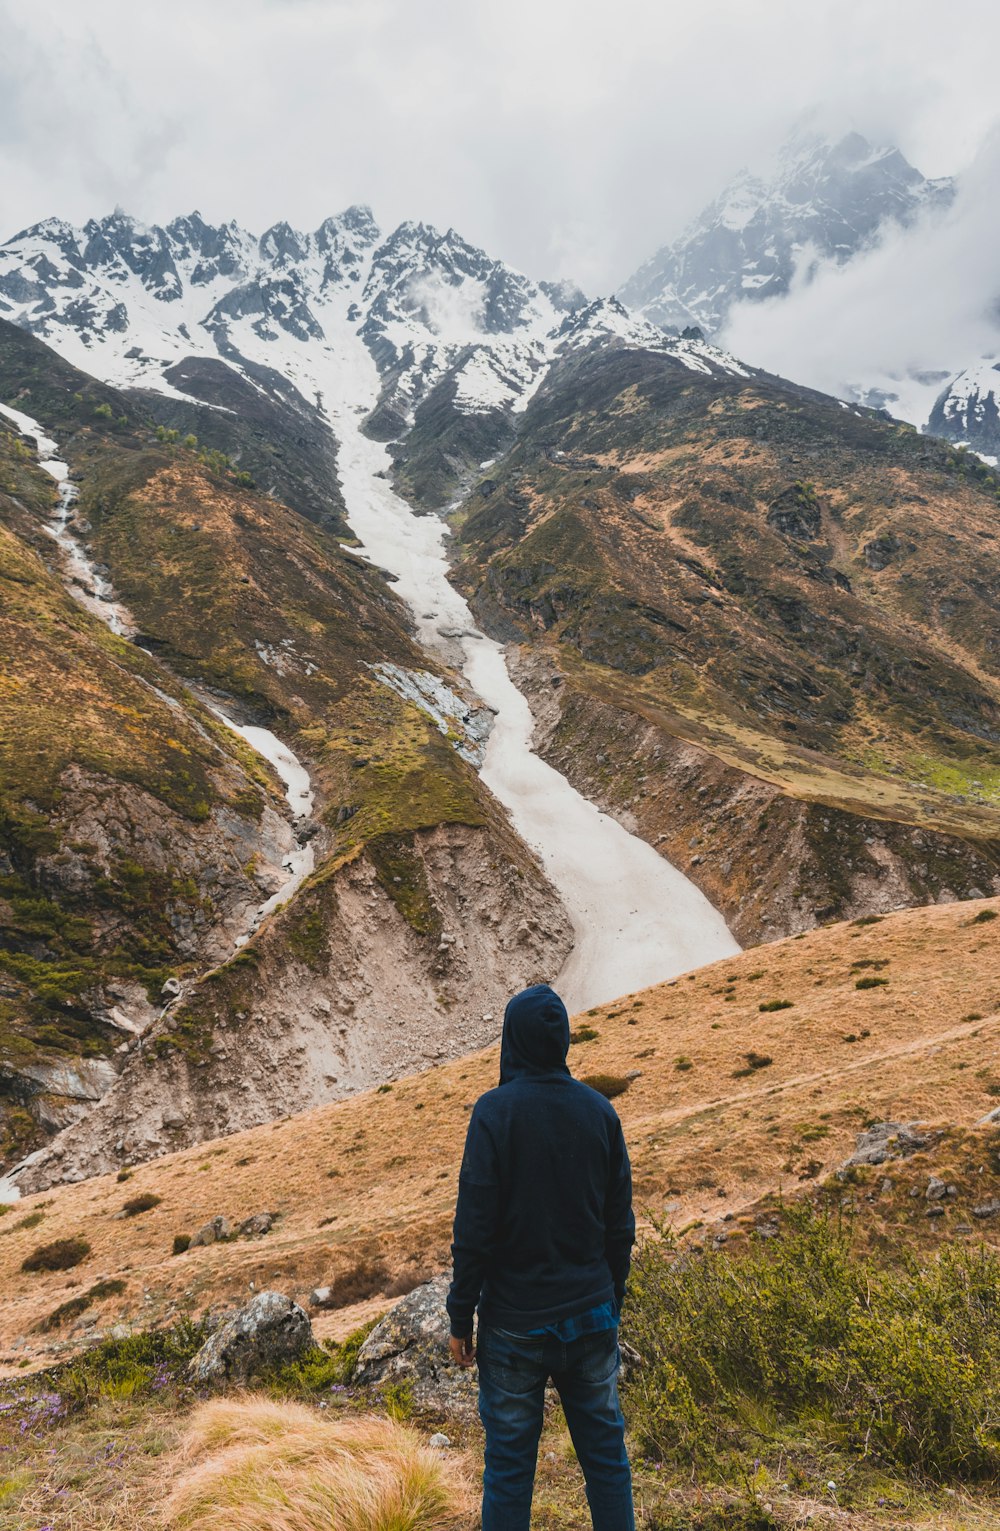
pixel 683 1063
pixel 776 1004
pixel 60 1255
pixel 104 411
pixel 583 1034
pixel 142 1203
pixel 902 1361
pixel 320 1369
pixel 608 1085
pixel 129 1367
pixel 983 917
pixel 871 982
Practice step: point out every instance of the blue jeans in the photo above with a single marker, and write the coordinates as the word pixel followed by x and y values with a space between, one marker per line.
pixel 513 1371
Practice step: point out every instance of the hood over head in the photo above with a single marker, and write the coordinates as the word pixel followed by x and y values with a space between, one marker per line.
pixel 535 1035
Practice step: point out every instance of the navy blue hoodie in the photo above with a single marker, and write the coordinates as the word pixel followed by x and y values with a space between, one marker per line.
pixel 544 1225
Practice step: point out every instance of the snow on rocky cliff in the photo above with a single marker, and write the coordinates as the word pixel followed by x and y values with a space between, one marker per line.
pixel 129 302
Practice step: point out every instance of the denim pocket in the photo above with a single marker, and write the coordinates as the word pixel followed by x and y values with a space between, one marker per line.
pixel 515 1363
pixel 598 1358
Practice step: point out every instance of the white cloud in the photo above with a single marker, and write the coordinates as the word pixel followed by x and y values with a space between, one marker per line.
pixel 454 314
pixel 570 137
pixel 922 299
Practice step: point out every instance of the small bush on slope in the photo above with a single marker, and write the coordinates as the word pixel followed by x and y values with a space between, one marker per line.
pixel 900 1362
pixel 251 1464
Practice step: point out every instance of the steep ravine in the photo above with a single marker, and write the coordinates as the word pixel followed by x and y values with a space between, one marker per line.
pixel 636 919
pixel 343 989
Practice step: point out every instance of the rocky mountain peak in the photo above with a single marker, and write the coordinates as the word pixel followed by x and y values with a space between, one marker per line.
pixel 830 196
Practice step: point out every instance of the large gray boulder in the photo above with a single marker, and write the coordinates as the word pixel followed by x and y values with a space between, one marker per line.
pixel 890 1140
pixel 269 1332
pixel 410 1346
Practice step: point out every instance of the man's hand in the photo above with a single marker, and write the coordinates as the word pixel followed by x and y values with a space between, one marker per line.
pixel 462 1351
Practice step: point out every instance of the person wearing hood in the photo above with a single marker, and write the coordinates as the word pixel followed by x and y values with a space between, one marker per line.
pixel 542 1243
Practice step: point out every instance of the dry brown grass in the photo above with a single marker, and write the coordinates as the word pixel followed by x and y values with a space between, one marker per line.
pixel 251 1464
pixel 374 1178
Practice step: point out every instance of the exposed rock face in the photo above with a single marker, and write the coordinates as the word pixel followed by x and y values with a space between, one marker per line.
pixel 411 1345
pixel 968 410
pixel 338 993
pixel 269 1332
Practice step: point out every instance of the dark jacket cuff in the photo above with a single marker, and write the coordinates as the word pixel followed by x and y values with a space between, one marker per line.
pixel 461 1328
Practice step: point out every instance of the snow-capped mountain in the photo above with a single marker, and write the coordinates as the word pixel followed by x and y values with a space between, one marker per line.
pixel 160 308
pixel 825 201
pixel 968 410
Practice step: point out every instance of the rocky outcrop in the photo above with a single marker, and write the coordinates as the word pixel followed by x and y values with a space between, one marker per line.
pixel 405 956
pixel 894 1140
pixel 268 1333
pixel 410 1345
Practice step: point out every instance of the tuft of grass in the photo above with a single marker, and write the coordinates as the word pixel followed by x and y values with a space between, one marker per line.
pixel 871 982
pixel 608 1085
pixel 60 1255
pixel 262 1465
pixel 583 1034
pixel 182 1242
pixel 367 1278
pixel 776 1004
pixel 983 917
pixel 143 1203
pixel 683 1063
pixel 113 1287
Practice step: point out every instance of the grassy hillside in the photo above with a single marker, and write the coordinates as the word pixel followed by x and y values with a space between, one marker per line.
pixel 800 593
pixel 263 612
pixel 113 794
pixel 749 1082
pixel 748 1076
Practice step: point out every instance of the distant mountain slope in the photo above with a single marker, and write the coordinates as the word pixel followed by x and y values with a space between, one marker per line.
pixel 139 836
pixel 760 623
pixel 826 200
pixel 968 410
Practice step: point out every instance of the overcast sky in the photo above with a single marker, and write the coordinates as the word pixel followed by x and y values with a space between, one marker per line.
pixel 570 137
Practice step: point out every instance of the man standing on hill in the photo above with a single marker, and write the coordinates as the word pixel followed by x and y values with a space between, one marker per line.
pixel 543 1237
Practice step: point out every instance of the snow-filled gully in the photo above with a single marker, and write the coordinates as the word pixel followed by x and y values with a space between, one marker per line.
pixel 93 590
pixel 637 919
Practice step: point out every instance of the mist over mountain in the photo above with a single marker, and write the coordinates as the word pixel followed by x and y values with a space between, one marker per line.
pixel 823 201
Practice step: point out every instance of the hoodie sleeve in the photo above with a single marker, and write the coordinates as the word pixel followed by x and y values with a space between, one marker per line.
pixel 477 1217
pixel 619 1221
